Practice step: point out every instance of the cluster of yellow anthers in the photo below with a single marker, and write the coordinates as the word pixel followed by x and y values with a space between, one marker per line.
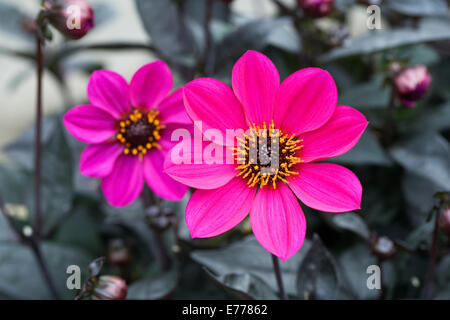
pixel 140 132
pixel 255 166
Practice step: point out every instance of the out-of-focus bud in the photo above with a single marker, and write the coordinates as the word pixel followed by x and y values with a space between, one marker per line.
pixel 444 219
pixel 411 84
pixel 383 247
pixel 316 8
pixel 73 18
pixel 159 218
pixel 110 288
pixel 118 253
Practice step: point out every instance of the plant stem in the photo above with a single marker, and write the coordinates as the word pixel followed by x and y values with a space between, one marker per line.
pixel 159 246
pixel 37 150
pixel 390 112
pixel 34 246
pixel 428 288
pixel 276 268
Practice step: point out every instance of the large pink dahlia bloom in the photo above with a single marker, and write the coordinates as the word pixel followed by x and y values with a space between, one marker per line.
pixel 312 128
pixel 128 129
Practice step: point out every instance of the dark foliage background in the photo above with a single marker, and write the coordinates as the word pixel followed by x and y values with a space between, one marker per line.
pixel 400 175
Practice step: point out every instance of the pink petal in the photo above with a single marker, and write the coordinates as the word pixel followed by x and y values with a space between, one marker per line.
pixel 278 221
pixel 255 82
pixel 150 85
pixel 212 212
pixel 327 187
pixel 305 101
pixel 201 176
pixel 97 160
pixel 108 91
pixel 90 124
pixel 335 137
pixel 166 134
pixel 197 169
pixel 172 109
pixel 160 183
pixel 125 182
pixel 214 104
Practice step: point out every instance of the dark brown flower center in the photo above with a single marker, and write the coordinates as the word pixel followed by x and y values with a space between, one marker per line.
pixel 140 132
pixel 267 155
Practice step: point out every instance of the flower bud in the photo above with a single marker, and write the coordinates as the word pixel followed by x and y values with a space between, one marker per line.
pixel 159 218
pixel 411 84
pixel 444 220
pixel 118 253
pixel 316 8
pixel 383 247
pixel 110 288
pixel 73 18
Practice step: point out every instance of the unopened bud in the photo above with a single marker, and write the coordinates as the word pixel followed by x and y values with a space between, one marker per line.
pixel 159 218
pixel 412 84
pixel 383 247
pixel 118 253
pixel 73 18
pixel 110 288
pixel 316 8
pixel 444 220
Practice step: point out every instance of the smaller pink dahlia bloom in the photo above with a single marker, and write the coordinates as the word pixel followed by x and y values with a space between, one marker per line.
pixel 128 129
pixel 311 127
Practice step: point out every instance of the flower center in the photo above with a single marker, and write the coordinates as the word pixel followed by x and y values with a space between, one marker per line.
pixel 140 132
pixel 266 156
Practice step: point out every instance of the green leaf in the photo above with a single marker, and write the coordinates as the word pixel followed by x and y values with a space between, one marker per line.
pixel 285 37
pixel 418 8
pixel 428 118
pixel 317 275
pixel 354 263
pixel 12 19
pixel 21 277
pixel 377 40
pixel 80 218
pixel 349 221
pixel 162 22
pixel 254 35
pixel 56 175
pixel 372 94
pixel 421 234
pixel 245 286
pixel 153 287
pixel 248 256
pixel 417 54
pixel 418 193
pixel 367 151
pixel 426 155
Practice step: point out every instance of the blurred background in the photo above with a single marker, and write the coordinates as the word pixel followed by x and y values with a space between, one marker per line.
pixel 398 76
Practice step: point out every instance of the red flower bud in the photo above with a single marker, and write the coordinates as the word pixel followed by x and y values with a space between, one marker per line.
pixel 73 18
pixel 411 84
pixel 110 288
pixel 444 220
pixel 316 8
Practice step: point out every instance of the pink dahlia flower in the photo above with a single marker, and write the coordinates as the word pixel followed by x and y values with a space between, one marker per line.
pixel 311 127
pixel 128 129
